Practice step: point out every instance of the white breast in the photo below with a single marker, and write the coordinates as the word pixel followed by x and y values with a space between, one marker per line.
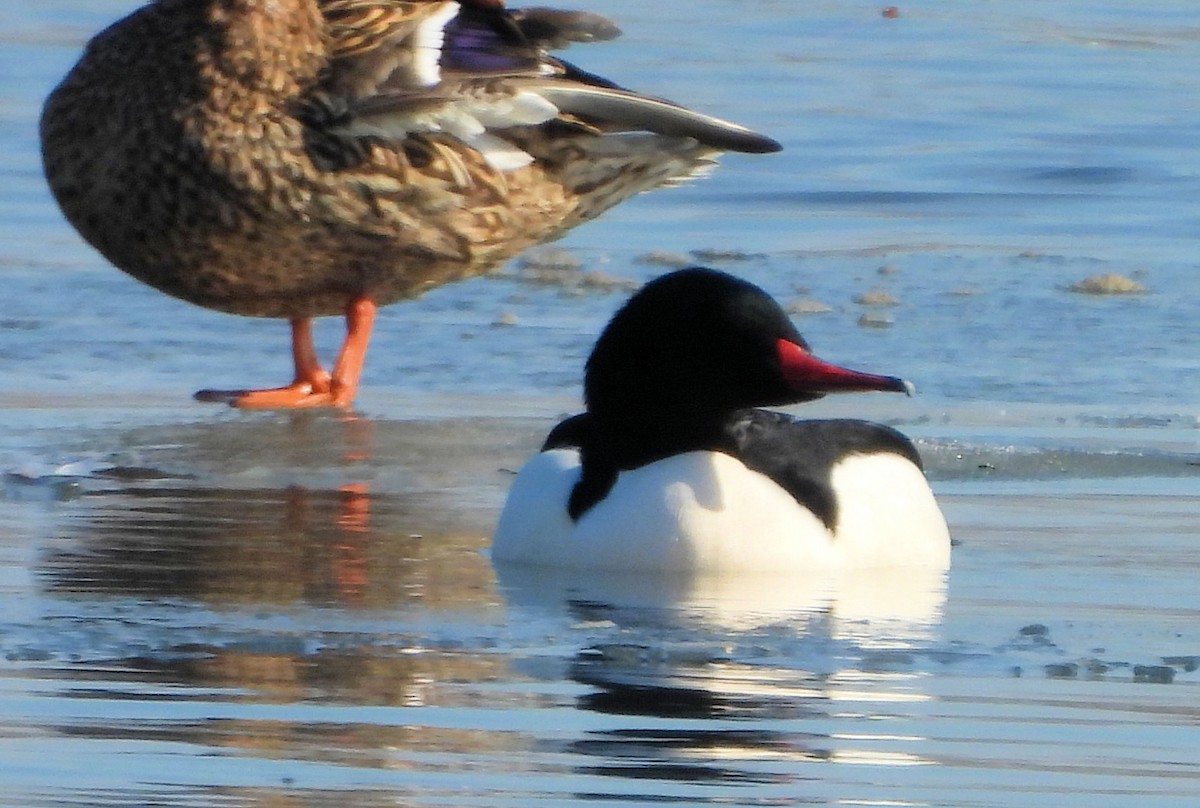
pixel 706 512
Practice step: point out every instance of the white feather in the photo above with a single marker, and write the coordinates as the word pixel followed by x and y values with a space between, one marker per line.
pixel 427 45
pixel 499 153
pixel 887 513
pixel 469 121
pixel 520 109
pixel 706 512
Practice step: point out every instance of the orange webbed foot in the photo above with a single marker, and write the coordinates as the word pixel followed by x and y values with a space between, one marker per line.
pixel 312 386
pixel 294 396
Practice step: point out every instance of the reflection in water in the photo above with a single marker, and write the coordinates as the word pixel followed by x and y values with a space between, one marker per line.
pixel 736 722
pixel 278 554
pixel 191 597
pixel 267 594
pixel 244 621
pixel 694 756
pixel 745 680
pixel 199 512
pixel 882 604
pixel 232 547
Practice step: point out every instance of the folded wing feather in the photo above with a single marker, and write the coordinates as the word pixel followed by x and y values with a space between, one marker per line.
pixel 474 72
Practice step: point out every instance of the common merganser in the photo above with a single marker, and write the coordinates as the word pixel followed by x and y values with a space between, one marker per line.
pixel 672 468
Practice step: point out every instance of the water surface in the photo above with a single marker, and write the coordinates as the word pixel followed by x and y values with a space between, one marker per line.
pixel 204 607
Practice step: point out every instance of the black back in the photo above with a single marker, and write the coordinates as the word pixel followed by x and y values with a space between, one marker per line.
pixel 798 455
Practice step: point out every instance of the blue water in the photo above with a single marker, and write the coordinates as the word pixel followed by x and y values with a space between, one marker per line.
pixel 205 607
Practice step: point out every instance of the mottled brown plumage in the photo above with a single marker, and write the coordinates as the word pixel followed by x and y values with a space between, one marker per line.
pixel 298 158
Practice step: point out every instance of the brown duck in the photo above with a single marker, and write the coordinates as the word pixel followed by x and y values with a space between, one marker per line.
pixel 300 158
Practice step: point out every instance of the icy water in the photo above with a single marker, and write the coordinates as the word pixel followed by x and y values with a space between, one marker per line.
pixel 205 607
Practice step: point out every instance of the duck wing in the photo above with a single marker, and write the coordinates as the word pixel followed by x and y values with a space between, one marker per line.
pixel 472 70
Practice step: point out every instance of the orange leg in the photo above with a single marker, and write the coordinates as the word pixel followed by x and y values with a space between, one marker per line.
pixel 347 370
pixel 304 356
pixel 312 386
